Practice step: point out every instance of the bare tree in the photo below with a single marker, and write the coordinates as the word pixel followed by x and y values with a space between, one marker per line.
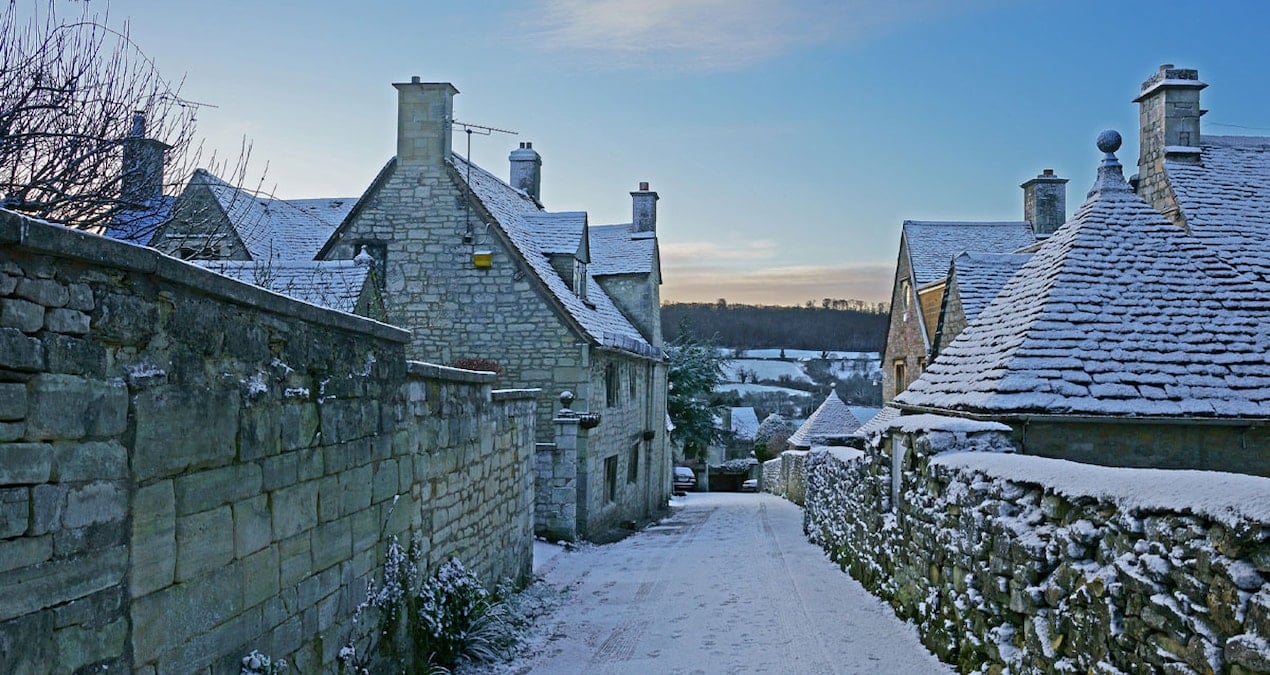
pixel 90 133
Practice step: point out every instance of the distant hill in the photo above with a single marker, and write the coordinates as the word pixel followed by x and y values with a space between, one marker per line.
pixel 757 327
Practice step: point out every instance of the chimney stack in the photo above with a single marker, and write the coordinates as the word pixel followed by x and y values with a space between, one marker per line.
pixel 526 173
pixel 1045 203
pixel 1168 120
pixel 141 182
pixel 424 113
pixel 644 209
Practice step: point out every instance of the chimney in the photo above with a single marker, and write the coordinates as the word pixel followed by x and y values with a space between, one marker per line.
pixel 142 180
pixel 526 174
pixel 1045 203
pixel 644 209
pixel 424 113
pixel 1168 120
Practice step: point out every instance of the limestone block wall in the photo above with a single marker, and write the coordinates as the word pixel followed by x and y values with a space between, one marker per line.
pixel 556 487
pixel 1033 564
pixel 772 481
pixel 193 468
pixel 783 476
pixel 905 333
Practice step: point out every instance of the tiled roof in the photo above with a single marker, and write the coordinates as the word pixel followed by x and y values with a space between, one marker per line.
pixel 277 229
pixel 832 418
pixel 139 226
pixel 1117 313
pixel 880 422
pixel 616 250
pixel 523 222
pixel 981 276
pixel 932 244
pixel 326 283
pixel 744 423
pixel 1226 198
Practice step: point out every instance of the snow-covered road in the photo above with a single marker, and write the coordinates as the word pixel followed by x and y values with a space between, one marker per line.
pixel 726 584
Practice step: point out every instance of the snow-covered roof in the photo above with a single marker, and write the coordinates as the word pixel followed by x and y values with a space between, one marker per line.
pixel 932 244
pixel 276 229
pixel 527 228
pixel 1117 313
pixel 138 226
pixel 879 423
pixel 617 250
pixel 1226 198
pixel 744 423
pixel 335 284
pixel 981 276
pixel 832 418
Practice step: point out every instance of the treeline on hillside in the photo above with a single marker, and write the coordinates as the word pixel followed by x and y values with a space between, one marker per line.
pixel 760 327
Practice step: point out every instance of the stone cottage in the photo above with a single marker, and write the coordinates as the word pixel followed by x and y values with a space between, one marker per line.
pixel 483 276
pixel 921 272
pixel 1124 340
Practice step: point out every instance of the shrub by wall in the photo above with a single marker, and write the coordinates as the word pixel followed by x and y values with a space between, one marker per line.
pixel 192 468
pixel 1043 565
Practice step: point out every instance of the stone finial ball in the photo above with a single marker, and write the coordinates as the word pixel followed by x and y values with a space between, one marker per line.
pixel 566 398
pixel 1109 140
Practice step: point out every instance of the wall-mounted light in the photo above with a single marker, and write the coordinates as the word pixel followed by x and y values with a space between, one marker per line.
pixel 483 259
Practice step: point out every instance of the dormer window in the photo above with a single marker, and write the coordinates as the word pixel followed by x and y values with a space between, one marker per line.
pixel 579 279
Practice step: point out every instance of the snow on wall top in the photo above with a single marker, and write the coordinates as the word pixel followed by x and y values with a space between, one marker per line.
pixel 832 418
pixel 335 284
pixel 1226 497
pixel 525 223
pixel 981 276
pixel 1117 313
pixel 1226 198
pixel 277 229
pixel 914 423
pixel 744 423
pixel 932 244
pixel 615 250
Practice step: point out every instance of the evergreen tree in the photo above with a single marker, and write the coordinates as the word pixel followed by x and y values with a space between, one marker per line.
pixel 696 367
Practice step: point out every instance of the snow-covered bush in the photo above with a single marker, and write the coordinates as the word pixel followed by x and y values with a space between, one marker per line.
pixel 256 663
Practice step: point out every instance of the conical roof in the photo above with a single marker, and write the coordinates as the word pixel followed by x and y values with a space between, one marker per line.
pixel 1118 313
pixel 832 418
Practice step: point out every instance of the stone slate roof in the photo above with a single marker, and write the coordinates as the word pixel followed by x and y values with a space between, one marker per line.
pixel 832 418
pixel 981 276
pixel 617 250
pixel 139 226
pixel 1117 313
pixel 1226 198
pixel 880 422
pixel 335 284
pixel 523 222
pixel 744 423
pixel 932 244
pixel 278 229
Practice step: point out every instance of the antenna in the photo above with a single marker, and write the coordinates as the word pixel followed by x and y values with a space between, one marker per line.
pixel 481 130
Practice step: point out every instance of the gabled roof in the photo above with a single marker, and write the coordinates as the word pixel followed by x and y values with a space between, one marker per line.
pixel 744 423
pixel 527 229
pixel 335 284
pixel 1118 313
pixel 879 423
pixel 832 418
pixel 981 276
pixel 932 244
pixel 620 251
pixel 1225 197
pixel 276 229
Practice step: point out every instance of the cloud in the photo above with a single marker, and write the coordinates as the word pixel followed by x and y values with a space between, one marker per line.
pixel 790 285
pixel 710 35
pixel 690 253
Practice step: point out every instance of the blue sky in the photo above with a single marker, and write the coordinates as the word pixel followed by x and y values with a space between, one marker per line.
pixel 787 140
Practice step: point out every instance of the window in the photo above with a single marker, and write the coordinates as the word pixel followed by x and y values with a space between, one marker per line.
pixel 630 382
pixel 610 478
pixel 906 294
pixel 921 364
pixel 632 469
pixel 899 375
pixel 611 388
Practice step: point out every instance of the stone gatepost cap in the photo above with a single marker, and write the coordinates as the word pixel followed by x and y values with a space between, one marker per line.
pixel 566 398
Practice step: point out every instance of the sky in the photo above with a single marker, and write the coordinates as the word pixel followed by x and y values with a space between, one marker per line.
pixel 788 140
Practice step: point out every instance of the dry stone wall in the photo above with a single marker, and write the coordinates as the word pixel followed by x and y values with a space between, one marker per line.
pixel 192 468
pixel 1041 565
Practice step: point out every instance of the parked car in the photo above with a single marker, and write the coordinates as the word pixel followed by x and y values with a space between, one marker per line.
pixel 749 485
pixel 685 479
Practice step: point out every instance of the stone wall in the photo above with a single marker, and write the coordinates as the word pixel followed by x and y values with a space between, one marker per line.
pixel 905 336
pixel 1032 564
pixel 784 476
pixel 194 468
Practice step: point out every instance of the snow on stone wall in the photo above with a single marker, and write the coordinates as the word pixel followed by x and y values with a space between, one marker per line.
pixel 192 467
pixel 783 476
pixel 1004 560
